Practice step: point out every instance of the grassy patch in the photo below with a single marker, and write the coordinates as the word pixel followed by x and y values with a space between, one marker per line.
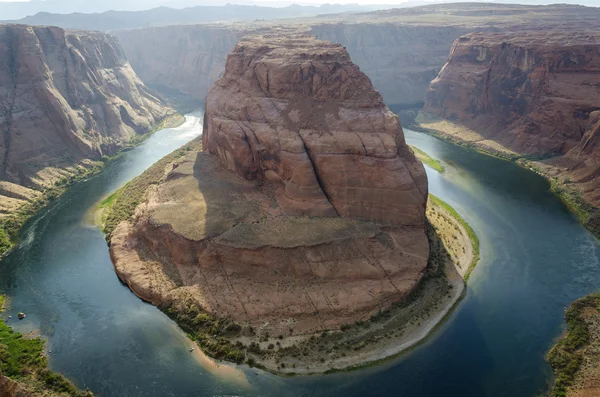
pixel 472 235
pixel 108 202
pixel 121 204
pixel 22 360
pixel 587 214
pixel 211 333
pixel 567 355
pixel 426 159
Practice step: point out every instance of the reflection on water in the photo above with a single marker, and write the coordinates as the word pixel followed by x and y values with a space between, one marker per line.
pixel 536 259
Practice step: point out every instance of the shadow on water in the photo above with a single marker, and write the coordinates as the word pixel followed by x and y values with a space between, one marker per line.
pixel 536 259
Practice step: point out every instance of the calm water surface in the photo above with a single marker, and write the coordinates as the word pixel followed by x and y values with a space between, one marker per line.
pixel 536 259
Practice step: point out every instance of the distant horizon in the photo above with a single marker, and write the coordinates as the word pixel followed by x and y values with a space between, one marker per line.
pixel 17 9
pixel 283 3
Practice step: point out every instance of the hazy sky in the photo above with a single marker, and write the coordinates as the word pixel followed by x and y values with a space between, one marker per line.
pixel 282 2
pixel 16 9
pixel 199 2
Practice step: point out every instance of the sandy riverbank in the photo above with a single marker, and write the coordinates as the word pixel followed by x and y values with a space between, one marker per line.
pixel 556 174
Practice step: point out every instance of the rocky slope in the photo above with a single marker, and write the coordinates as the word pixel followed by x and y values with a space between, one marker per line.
pixel 302 115
pixel 401 60
pixel 67 99
pixel 306 209
pixel 530 94
pixel 10 388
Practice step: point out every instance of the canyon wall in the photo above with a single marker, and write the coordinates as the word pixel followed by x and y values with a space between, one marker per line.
pixel 185 59
pixel 401 60
pixel 401 50
pixel 304 211
pixel 66 98
pixel 533 94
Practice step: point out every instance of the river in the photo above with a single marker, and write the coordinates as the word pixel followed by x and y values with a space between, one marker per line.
pixel 536 259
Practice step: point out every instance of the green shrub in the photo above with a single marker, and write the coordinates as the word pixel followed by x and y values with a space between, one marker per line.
pixel 567 355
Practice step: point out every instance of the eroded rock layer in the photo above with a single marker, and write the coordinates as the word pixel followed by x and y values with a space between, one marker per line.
pixel 183 59
pixel 299 113
pixel 533 93
pixel 400 59
pixel 65 98
pixel 304 211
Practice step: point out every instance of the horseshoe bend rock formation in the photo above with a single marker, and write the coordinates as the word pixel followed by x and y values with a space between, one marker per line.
pixel 306 208
pixel 67 98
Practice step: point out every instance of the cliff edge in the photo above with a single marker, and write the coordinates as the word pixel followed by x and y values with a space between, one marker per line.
pixel 529 95
pixel 67 98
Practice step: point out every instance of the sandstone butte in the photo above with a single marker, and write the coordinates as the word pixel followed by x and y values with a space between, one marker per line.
pixel 67 98
pixel 304 211
pixel 530 94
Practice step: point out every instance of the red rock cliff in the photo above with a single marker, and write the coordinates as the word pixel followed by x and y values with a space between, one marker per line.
pixel 299 113
pixel 65 97
pixel 532 92
pixel 535 93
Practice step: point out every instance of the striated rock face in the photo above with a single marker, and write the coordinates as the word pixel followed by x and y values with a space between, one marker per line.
pixel 301 114
pixel 533 93
pixel 65 98
pixel 187 58
pixel 579 169
pixel 401 60
pixel 304 211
